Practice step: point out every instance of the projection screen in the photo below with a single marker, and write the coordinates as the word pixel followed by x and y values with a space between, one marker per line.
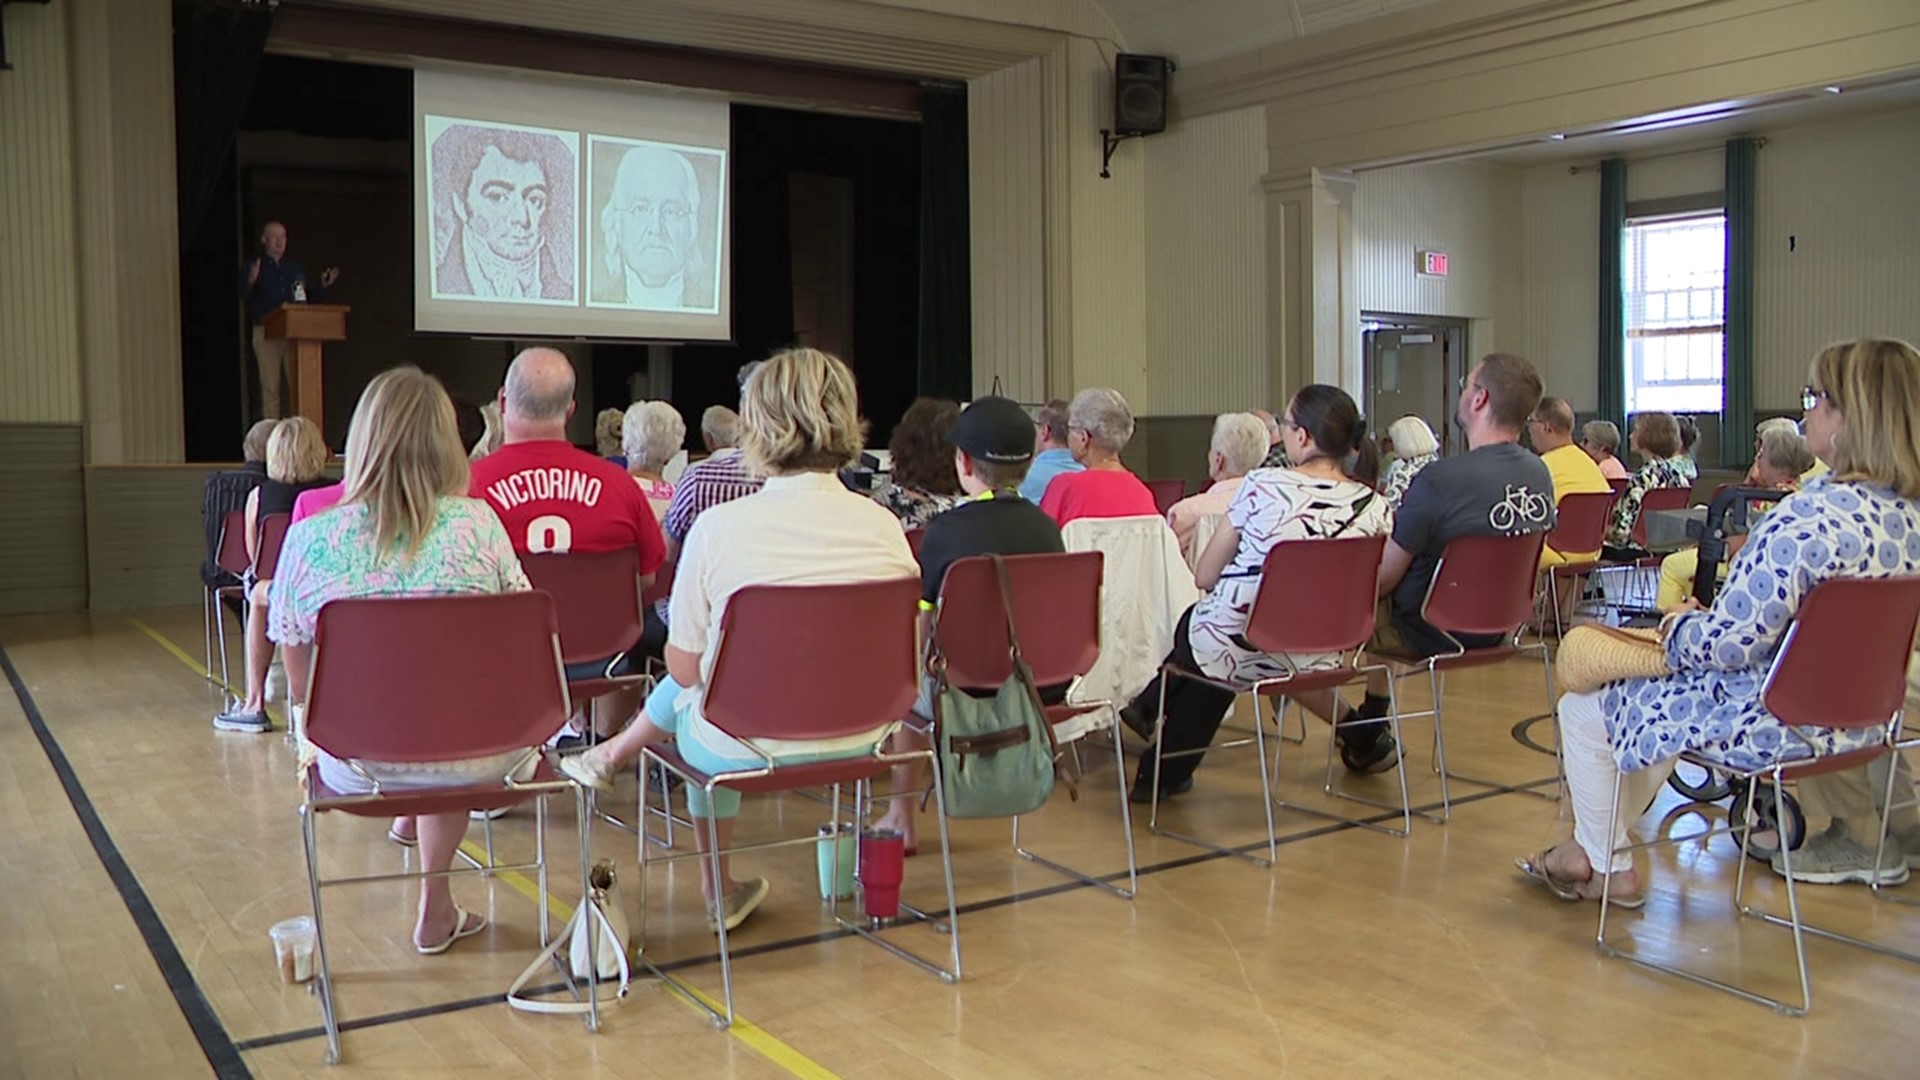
pixel 551 207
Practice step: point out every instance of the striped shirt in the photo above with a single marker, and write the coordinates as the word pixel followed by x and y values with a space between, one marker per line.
pixel 721 478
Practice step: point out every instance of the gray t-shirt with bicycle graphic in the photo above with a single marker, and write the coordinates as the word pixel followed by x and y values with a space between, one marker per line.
pixel 1497 490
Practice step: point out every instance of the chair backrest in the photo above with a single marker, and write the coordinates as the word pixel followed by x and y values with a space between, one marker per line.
pixel 915 538
pixel 273 534
pixel 1843 661
pixel 1580 522
pixel 597 597
pixel 815 661
pixel 1484 584
pixel 233 543
pixel 662 587
pixel 1166 493
pixel 436 678
pixel 1620 485
pixel 1316 596
pixel 1655 501
pixel 1056 612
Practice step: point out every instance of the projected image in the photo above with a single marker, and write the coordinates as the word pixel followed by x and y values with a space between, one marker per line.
pixel 655 222
pixel 502 206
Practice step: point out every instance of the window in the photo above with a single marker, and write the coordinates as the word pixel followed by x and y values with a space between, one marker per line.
pixel 1676 285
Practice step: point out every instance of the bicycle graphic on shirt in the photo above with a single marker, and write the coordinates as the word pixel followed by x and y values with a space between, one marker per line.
pixel 1519 506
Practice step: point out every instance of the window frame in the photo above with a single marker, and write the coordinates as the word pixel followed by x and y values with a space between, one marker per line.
pixel 1635 304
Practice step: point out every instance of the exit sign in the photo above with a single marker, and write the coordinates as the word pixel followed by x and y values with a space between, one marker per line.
pixel 1430 263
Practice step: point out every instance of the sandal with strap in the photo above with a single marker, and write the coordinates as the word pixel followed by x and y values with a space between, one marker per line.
pixel 1535 867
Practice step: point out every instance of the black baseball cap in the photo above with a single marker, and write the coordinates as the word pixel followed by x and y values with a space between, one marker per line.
pixel 994 429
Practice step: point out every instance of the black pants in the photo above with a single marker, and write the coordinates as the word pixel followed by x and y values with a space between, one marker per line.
pixel 1194 713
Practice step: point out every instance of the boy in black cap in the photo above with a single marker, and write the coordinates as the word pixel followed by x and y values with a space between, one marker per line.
pixel 993 445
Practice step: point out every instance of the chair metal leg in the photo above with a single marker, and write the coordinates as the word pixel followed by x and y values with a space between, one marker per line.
pixel 207 600
pixel 220 632
pixel 719 906
pixel 1266 790
pixel 1126 823
pixel 1524 788
pixel 540 857
pixel 1327 786
pixel 324 973
pixel 585 821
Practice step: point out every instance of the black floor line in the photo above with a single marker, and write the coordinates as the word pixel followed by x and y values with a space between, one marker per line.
pixel 219 1047
pixel 821 938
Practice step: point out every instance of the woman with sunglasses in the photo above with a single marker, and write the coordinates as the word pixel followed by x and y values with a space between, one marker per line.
pixel 1862 520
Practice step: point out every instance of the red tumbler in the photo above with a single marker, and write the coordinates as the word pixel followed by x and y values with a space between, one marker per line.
pixel 882 858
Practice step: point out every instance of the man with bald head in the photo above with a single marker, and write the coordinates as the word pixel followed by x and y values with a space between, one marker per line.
pixel 1276 446
pixel 267 281
pixel 1573 471
pixel 650 256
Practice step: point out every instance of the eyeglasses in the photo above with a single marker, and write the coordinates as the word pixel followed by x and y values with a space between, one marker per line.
pixel 1287 422
pixel 1466 381
pixel 1813 395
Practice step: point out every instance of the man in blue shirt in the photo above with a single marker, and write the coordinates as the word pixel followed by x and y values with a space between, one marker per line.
pixel 267 281
pixel 1051 457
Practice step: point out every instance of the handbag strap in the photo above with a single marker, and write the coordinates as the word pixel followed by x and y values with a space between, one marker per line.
pixel 1025 674
pixel 589 909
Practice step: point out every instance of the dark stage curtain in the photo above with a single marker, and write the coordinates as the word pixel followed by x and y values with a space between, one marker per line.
pixel 1737 375
pixel 1612 403
pixel 216 55
pixel 946 305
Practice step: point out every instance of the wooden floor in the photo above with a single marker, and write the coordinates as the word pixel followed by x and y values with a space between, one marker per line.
pixel 1358 955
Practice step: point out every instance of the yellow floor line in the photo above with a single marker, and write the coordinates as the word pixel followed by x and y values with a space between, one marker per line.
pixel 755 1037
pixel 198 668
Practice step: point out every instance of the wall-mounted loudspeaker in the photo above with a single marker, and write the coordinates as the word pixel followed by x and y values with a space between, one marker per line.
pixel 1139 94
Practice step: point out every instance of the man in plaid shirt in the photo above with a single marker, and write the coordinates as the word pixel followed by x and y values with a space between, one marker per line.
pixel 721 478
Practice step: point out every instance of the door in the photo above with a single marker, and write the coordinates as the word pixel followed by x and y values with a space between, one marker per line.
pixel 1413 367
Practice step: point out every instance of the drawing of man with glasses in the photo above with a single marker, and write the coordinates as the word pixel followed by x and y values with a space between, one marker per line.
pixel 652 247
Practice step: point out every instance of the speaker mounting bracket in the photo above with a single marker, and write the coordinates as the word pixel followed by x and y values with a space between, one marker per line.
pixel 1110 142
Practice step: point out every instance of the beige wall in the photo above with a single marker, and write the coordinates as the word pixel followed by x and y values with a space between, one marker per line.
pixel 1469 210
pixel 1560 267
pixel 1007 185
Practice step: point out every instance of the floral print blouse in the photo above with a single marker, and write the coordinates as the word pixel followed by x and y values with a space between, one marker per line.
pixel 1400 474
pixel 1720 656
pixel 913 506
pixel 1660 473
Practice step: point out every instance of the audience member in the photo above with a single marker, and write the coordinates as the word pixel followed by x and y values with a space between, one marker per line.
pixel 469 419
pixel 802 425
pixel 296 454
pixel 1496 488
pixel 606 435
pixel 1239 446
pixel 1778 423
pixel 225 491
pixel 1414 447
pixel 1276 456
pixel 920 483
pixel 1656 438
pixel 1573 471
pixel 1099 425
pixel 991 445
pixel 1051 454
pixel 1860 409
pixel 651 433
pixel 1601 440
pixel 491 432
pixel 1328 494
pixel 405 528
pixel 1780 456
pixel 721 478
pixel 554 498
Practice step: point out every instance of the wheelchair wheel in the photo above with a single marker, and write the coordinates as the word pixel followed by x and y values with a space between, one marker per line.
pixel 1771 821
pixel 1700 784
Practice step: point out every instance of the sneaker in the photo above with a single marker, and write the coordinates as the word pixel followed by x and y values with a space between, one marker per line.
pixel 1362 752
pixel 254 723
pixel 494 814
pixel 589 771
pixel 277 682
pixel 743 901
pixel 1831 858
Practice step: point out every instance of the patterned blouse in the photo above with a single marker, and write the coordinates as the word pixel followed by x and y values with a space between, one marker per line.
pixel 1274 505
pixel 1720 656
pixel 331 557
pixel 913 506
pixel 1400 474
pixel 1660 473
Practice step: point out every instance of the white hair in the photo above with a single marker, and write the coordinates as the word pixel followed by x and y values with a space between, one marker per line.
pixel 1785 449
pixel 1241 439
pixel 651 433
pixel 1104 415
pixel 1412 437
pixel 625 177
pixel 721 425
pixel 1775 423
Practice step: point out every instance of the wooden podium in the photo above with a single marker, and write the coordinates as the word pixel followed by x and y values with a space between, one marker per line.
pixel 304 327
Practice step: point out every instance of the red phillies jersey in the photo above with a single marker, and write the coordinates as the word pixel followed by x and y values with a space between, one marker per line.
pixel 553 497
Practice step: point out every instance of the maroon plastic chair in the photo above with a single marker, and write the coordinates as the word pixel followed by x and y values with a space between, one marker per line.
pixel 273 536
pixel 1484 587
pixel 598 597
pixel 662 588
pixel 915 538
pixel 780 674
pixel 1166 493
pixel 1580 525
pixel 1056 613
pixel 1315 597
pixel 1620 486
pixel 1841 666
pixel 430 679
pixel 1655 501
pixel 231 557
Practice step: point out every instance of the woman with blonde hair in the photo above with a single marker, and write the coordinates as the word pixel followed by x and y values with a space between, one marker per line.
pixel 1414 447
pixel 296 457
pixel 404 527
pixel 1861 521
pixel 801 422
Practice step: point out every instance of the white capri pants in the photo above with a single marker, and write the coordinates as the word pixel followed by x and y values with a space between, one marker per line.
pixel 1591 775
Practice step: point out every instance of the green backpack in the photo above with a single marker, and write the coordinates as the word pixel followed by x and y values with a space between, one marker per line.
pixel 996 754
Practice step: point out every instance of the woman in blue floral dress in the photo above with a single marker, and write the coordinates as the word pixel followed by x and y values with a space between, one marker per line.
pixel 1862 520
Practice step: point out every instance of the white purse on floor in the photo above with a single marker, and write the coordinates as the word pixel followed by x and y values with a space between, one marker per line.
pixel 602 910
